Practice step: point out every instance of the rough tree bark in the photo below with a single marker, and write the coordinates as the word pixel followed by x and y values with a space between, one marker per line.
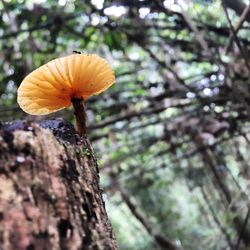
pixel 49 189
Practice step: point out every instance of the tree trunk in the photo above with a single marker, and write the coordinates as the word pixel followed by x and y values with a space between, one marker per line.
pixel 49 189
pixel 161 241
pixel 209 160
pixel 216 219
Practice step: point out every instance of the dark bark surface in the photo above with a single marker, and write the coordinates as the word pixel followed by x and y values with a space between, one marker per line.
pixel 49 194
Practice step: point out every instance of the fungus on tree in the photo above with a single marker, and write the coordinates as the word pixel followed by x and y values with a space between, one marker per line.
pixel 64 81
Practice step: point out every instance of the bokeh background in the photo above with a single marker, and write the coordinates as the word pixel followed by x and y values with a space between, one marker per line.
pixel 172 136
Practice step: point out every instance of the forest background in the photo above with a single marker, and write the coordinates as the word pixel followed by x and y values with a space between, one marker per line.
pixel 172 135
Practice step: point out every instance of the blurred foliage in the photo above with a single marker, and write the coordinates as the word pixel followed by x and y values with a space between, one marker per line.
pixel 172 135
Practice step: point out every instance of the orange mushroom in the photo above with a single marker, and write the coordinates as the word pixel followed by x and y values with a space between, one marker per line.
pixel 64 81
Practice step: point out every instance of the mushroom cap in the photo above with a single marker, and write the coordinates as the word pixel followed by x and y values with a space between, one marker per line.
pixel 51 87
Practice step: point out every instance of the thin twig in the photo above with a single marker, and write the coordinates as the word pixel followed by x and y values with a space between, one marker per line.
pixel 238 27
pixel 243 229
pixel 197 34
pixel 215 217
pixel 237 41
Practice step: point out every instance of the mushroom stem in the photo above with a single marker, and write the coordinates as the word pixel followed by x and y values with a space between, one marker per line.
pixel 80 114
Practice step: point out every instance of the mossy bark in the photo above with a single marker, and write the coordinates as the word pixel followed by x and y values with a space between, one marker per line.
pixel 49 191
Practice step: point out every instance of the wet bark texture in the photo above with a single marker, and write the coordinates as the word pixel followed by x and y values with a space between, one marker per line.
pixel 49 189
